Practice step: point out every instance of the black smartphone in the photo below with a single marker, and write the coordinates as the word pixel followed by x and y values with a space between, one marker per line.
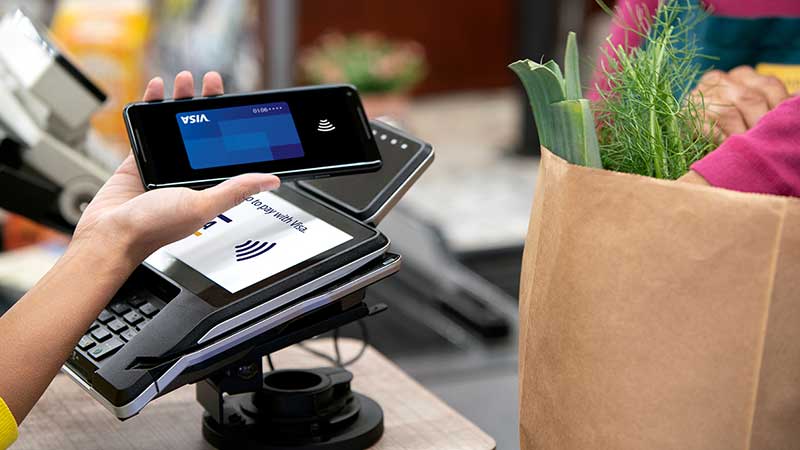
pixel 298 133
pixel 369 197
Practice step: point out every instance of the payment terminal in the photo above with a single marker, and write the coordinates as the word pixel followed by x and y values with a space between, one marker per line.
pixel 276 260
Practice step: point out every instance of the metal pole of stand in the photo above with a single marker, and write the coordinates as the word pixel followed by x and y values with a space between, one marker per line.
pixel 245 376
pixel 280 42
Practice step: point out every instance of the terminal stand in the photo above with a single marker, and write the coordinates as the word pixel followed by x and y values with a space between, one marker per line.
pixel 288 408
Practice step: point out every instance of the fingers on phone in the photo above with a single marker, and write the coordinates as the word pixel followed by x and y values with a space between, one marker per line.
pixel 184 85
pixel 154 90
pixel 234 191
pixel 212 84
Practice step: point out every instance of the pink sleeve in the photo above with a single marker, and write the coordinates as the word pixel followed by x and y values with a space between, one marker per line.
pixel 630 14
pixel 765 159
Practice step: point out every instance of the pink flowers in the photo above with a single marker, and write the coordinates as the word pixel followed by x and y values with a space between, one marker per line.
pixel 373 63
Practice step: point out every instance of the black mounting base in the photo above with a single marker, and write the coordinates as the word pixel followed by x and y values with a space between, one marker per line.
pixel 291 409
pixel 298 410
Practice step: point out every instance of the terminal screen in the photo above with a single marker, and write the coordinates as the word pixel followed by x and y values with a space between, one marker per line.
pixel 259 238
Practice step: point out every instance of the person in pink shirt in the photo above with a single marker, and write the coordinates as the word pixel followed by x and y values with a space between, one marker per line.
pixel 754 115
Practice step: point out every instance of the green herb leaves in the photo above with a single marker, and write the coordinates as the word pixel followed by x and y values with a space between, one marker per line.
pixel 647 125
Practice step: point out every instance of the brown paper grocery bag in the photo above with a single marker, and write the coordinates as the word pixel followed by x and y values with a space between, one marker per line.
pixel 658 315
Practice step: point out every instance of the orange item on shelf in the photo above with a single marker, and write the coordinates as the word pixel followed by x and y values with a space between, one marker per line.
pixel 20 232
pixel 109 40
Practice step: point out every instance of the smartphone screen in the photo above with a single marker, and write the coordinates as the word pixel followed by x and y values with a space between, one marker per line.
pixel 293 133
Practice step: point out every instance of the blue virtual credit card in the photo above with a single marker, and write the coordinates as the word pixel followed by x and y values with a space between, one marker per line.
pixel 239 135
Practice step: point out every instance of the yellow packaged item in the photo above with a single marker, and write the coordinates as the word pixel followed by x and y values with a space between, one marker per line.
pixel 788 73
pixel 109 40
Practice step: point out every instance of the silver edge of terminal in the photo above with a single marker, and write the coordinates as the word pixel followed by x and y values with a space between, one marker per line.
pixel 277 302
pixel 125 411
pixel 398 194
pixel 278 318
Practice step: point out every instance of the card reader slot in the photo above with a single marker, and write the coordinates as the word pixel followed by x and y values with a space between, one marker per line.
pixel 150 362
pixel 144 282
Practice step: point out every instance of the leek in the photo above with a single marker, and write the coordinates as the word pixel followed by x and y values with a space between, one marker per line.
pixel 563 117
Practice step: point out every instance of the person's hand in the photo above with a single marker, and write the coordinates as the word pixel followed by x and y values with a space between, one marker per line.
pixel 124 216
pixel 735 101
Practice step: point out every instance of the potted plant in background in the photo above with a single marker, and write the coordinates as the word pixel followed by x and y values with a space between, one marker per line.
pixel 383 70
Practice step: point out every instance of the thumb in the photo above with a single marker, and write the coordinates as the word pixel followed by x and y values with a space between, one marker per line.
pixel 230 193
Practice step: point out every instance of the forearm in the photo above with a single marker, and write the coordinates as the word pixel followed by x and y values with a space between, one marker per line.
pixel 38 334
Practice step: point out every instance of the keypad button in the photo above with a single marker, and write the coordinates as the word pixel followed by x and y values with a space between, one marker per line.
pixel 148 309
pixel 133 317
pixel 105 317
pixel 85 343
pixel 106 348
pixel 101 334
pixel 120 308
pixel 82 361
pixel 116 325
pixel 136 300
pixel 128 334
pixel 94 325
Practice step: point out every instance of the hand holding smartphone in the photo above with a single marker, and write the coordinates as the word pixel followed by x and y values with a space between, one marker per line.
pixel 299 133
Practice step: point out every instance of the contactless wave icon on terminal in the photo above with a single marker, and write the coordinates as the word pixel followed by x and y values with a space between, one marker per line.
pixel 251 249
pixel 325 126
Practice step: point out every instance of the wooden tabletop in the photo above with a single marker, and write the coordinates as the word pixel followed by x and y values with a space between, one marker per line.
pixel 68 418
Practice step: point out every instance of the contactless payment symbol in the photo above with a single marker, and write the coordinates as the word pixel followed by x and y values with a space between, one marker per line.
pixel 325 126
pixel 251 249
